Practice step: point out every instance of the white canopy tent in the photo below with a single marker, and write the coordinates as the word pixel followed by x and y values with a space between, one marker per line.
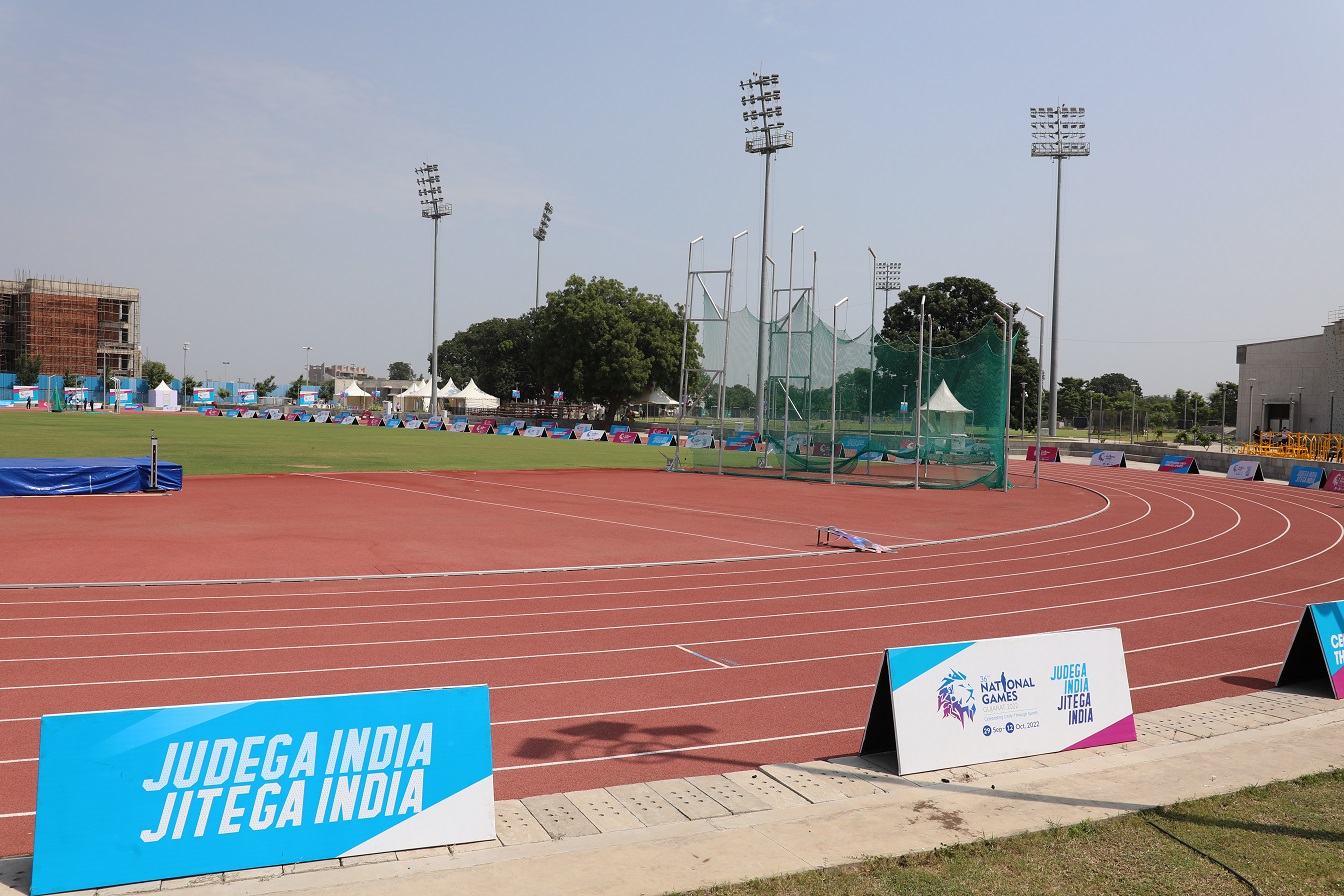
pixel 418 396
pixel 946 416
pixel 162 396
pixel 473 397
pixel 354 396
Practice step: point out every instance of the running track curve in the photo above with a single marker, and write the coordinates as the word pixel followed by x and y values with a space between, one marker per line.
pixel 670 665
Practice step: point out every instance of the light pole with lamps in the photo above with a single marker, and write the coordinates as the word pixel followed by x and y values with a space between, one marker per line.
pixel 1057 133
pixel 539 234
pixel 433 207
pixel 886 277
pixel 185 346
pixel 226 379
pixel 307 368
pixel 765 136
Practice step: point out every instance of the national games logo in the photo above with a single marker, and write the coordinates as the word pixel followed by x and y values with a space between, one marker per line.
pixel 956 697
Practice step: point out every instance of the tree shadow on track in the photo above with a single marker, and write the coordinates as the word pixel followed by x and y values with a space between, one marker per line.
pixel 650 745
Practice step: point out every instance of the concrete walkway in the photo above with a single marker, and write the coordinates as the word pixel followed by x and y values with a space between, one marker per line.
pixel 688 833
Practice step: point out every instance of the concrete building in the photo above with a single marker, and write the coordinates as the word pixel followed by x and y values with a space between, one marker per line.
pixel 1294 384
pixel 80 328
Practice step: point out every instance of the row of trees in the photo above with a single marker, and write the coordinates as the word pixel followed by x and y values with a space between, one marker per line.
pixel 1183 409
pixel 596 340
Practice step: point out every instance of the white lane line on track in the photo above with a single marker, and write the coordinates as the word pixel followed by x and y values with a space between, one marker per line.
pixel 690 749
pixel 747 618
pixel 1218 637
pixel 677 706
pixel 33 586
pixel 556 513
pixel 17 814
pixel 1163 684
pixel 9 761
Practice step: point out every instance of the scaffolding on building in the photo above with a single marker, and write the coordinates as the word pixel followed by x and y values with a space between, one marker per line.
pixel 76 328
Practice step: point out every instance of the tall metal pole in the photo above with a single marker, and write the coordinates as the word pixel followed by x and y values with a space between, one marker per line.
pixel 765 136
pixel 433 207
pixel 1057 134
pixel 1007 383
pixel 1054 306
pixel 539 234
pixel 788 355
pixel 762 330
pixel 835 354
pixel 872 378
pixel 1040 370
pixel 919 388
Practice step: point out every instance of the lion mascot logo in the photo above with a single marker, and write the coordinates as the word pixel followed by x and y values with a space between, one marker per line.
pixel 956 697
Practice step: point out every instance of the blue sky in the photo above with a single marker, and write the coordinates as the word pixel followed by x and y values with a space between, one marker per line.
pixel 249 166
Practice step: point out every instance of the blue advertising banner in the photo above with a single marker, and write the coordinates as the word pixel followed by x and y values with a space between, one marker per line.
pixel 147 794
pixel 307 395
pixel 507 429
pixel 1306 477
pixel 660 439
pixel 247 396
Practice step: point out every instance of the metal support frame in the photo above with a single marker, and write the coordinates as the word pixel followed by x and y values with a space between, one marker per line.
pixel 713 312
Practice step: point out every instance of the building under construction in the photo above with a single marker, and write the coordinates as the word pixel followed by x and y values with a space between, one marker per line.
pixel 84 329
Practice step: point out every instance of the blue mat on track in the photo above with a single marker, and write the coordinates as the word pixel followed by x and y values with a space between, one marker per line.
pixel 25 476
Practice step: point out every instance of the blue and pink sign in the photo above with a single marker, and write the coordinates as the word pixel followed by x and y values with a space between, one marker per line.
pixel 203 394
pixel 24 393
pixel 945 705
pixel 1175 464
pixel 307 395
pixel 146 794
pixel 1317 651
pixel 247 396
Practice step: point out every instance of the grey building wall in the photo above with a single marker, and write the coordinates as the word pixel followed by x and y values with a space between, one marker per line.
pixel 1292 383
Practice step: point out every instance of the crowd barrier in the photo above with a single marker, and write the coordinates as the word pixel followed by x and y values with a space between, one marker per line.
pixel 1303 445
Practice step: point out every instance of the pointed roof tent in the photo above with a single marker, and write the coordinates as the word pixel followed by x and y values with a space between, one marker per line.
pixel 355 392
pixel 474 396
pixel 164 387
pixel 943 401
pixel 654 395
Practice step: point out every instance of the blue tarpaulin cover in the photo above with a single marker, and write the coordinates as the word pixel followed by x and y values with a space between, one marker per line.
pixel 82 475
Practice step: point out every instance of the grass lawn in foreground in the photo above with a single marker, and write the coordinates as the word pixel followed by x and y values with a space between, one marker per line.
pixel 1286 838
pixel 208 445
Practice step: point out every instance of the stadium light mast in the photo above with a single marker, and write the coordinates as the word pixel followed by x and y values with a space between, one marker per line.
pixel 539 234
pixel 766 136
pixel 886 277
pixel 433 207
pixel 1057 133
pixel 185 347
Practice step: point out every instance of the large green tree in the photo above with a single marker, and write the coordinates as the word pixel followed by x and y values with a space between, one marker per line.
pixel 29 368
pixel 154 373
pixel 266 386
pixel 1113 385
pixel 601 341
pixel 498 353
pixel 960 308
pixel 400 370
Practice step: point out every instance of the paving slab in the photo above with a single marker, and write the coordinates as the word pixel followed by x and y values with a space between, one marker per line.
pixel 646 805
pixel 814 787
pixel 604 811
pixel 560 817
pixel 767 789
pixel 515 825
pixel 689 800
pixel 728 795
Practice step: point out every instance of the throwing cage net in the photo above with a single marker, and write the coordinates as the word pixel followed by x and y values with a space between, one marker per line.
pixel 855 410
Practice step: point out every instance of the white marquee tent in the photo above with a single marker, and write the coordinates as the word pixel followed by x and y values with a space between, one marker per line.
pixel 472 397
pixel 162 396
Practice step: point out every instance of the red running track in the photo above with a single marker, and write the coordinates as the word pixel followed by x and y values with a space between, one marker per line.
pixel 678 666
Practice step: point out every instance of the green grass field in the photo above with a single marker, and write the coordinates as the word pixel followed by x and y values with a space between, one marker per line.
pixel 1286 838
pixel 211 445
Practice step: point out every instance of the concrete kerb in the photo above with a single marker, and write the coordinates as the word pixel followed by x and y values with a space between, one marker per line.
pixel 689 833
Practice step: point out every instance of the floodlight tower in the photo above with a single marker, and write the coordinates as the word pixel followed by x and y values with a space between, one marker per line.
pixel 1057 133
pixel 539 234
pixel 886 277
pixel 765 135
pixel 433 207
